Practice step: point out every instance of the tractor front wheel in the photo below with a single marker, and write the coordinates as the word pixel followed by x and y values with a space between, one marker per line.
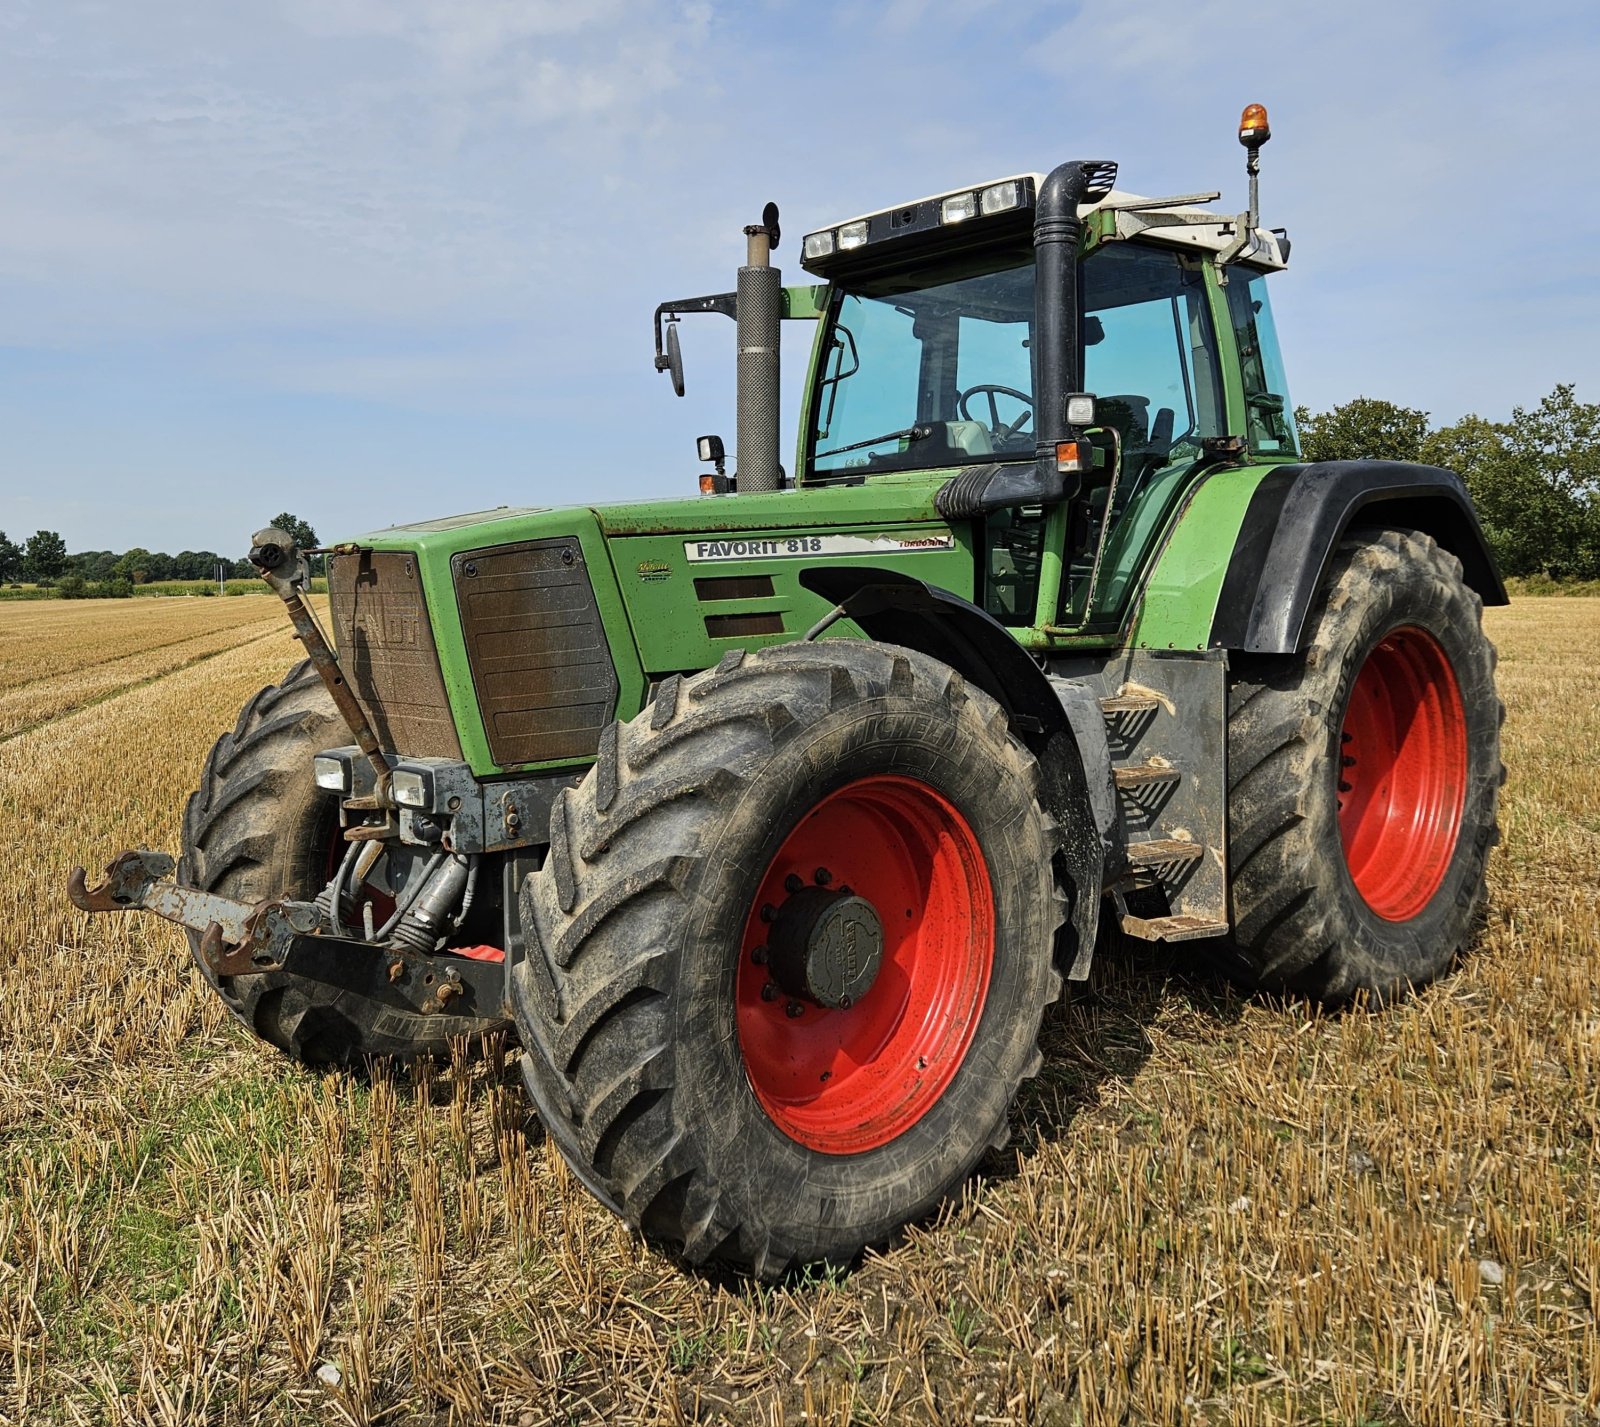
pixel 789 952
pixel 1364 775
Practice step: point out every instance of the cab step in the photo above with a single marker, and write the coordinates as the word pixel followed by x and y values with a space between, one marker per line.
pixel 1179 928
pixel 1120 705
pixel 1144 776
pixel 1163 852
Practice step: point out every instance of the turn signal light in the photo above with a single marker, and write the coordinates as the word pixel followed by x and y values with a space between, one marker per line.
pixel 1253 127
pixel 1072 457
pixel 708 483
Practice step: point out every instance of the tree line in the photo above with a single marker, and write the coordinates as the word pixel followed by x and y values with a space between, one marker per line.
pixel 42 559
pixel 1534 479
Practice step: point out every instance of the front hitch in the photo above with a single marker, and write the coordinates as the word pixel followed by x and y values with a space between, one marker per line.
pixel 279 935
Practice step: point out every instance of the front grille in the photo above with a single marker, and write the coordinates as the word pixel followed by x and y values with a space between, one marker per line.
pixel 540 662
pixel 385 646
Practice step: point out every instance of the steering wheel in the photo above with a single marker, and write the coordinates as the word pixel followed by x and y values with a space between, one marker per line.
pixel 991 390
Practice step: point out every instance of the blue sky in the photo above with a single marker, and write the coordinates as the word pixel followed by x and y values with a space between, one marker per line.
pixel 376 260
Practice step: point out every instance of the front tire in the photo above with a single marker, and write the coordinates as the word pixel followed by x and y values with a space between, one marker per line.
pixel 1364 777
pixel 721 1092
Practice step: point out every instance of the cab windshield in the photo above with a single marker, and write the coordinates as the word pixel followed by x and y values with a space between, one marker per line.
pixel 933 368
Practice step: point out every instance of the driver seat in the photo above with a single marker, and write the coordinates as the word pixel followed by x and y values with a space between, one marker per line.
pixel 971 438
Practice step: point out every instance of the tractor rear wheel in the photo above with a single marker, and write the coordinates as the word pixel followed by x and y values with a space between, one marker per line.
pixel 1364 776
pixel 789 952
pixel 258 826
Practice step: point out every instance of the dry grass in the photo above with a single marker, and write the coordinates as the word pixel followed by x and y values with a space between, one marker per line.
pixel 1216 1209
pixel 58 656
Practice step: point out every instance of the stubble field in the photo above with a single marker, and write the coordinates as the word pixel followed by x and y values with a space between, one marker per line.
pixel 1214 1209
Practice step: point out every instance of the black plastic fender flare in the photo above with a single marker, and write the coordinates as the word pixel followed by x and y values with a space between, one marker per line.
pixel 1294 523
pixel 899 609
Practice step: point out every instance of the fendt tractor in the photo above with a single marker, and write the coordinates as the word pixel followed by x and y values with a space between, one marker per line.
pixel 770 820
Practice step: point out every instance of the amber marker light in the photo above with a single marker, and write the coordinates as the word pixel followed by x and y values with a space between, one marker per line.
pixel 708 484
pixel 1072 457
pixel 1253 127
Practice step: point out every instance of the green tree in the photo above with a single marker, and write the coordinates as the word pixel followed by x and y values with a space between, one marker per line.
pixel 10 559
pixel 304 536
pixel 1366 427
pixel 45 555
pixel 133 566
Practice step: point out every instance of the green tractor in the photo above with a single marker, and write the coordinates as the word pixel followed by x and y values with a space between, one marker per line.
pixel 770 820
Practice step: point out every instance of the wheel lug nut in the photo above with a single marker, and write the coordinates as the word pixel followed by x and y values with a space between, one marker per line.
pixel 1346 737
pixel 846 890
pixel 769 913
pixel 793 1009
pixel 771 991
pixel 822 876
pixel 1344 787
pixel 826 1075
pixel 759 956
pixel 1347 761
pixel 845 1003
pixel 792 884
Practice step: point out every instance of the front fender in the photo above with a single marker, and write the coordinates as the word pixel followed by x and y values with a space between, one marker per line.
pixel 1294 523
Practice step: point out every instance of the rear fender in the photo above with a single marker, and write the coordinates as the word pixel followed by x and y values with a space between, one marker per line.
pixel 1294 523
pixel 898 609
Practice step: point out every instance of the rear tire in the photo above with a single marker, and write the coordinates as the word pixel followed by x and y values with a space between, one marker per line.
pixel 258 826
pixel 701 1111
pixel 1364 777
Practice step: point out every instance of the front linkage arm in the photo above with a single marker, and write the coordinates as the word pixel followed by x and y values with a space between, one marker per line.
pixel 285 568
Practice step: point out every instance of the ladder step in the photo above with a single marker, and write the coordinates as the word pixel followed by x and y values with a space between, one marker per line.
pixel 1128 704
pixel 1162 852
pixel 1179 928
pixel 1143 777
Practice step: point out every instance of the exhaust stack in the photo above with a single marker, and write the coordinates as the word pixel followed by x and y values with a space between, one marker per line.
pixel 758 313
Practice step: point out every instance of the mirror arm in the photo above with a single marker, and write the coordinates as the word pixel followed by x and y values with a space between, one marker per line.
pixel 723 302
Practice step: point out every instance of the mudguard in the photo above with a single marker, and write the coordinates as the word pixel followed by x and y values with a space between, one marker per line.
pixel 1294 523
pixel 898 609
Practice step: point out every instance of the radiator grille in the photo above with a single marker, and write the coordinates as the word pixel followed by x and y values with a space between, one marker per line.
pixel 541 666
pixel 385 646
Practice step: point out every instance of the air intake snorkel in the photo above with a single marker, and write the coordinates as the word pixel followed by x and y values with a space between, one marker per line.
pixel 1057 300
pixel 1056 349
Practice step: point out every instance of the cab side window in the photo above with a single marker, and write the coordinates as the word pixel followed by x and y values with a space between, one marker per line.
pixel 1266 392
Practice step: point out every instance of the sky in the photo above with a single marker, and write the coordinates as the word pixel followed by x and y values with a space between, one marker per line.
pixel 373 261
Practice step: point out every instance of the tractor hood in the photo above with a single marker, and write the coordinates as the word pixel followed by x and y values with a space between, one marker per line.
pixel 527 605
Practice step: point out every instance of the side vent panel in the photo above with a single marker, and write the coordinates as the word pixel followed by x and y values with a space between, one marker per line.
pixel 541 666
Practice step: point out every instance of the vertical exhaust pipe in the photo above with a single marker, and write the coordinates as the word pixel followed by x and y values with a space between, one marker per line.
pixel 758 314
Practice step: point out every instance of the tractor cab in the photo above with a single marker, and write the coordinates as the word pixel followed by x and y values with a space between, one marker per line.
pixel 926 363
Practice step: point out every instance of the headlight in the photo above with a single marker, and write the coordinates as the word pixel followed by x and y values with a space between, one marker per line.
pixel 853 235
pixel 819 245
pixel 334 770
pixel 410 788
pixel 1002 197
pixel 958 207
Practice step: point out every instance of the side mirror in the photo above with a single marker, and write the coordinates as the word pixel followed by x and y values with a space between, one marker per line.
pixel 674 358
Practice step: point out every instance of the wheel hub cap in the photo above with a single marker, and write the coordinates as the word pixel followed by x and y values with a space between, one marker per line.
pixel 826 946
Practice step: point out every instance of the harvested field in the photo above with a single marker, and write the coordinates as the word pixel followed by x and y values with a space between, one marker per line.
pixel 1215 1209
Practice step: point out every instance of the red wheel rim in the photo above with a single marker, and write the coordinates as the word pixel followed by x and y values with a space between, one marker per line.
pixel 1402 779
pixel 842 1081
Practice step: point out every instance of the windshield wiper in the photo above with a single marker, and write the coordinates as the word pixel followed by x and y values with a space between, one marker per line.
pixel 911 433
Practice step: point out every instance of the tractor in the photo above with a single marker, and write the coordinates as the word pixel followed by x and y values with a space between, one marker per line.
pixel 770 820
